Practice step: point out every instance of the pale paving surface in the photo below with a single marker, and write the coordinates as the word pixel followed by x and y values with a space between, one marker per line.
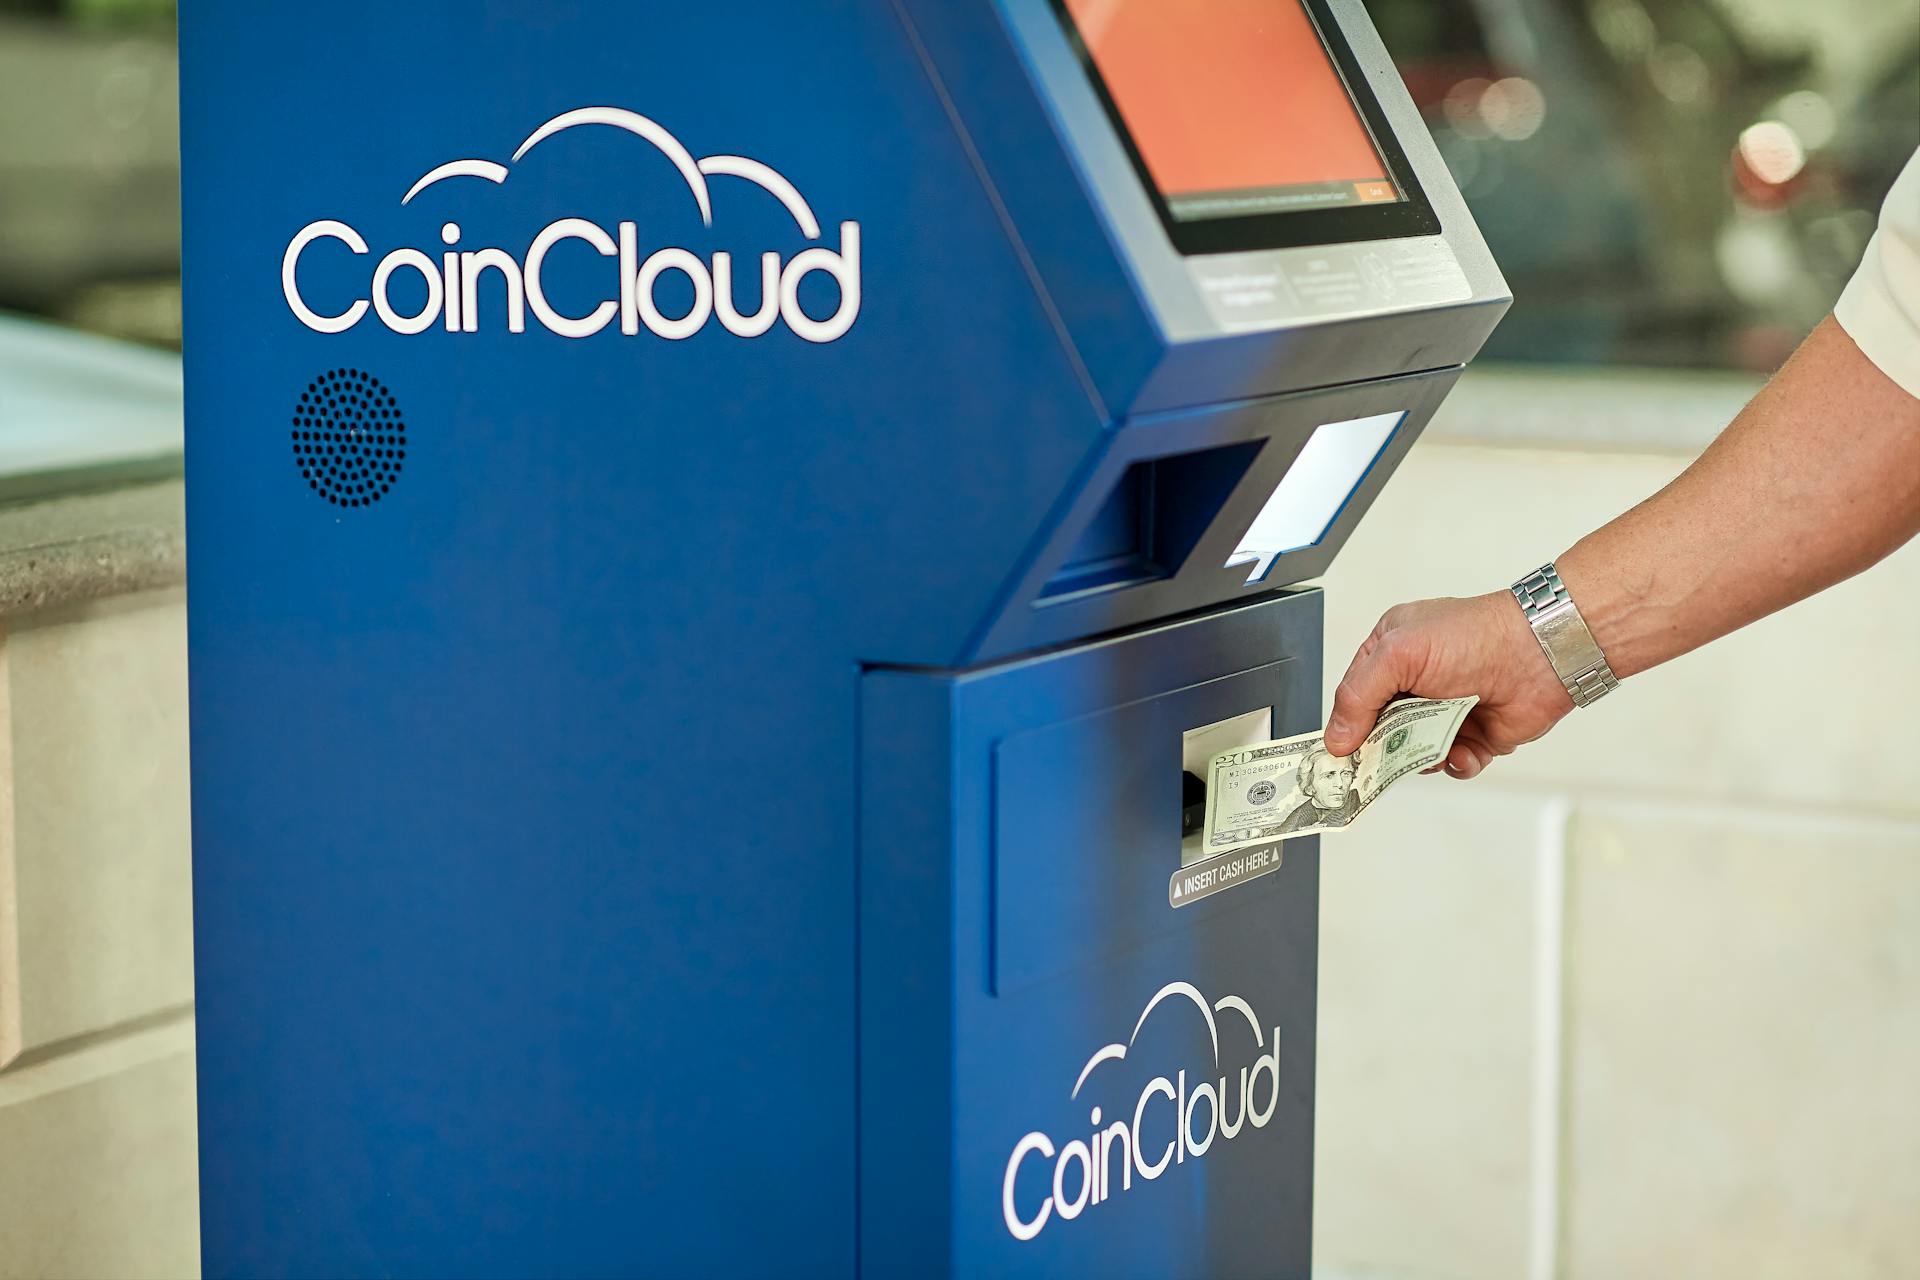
pixel 97 1160
pixel 1741 1033
pixel 1426 1035
pixel 1744 1085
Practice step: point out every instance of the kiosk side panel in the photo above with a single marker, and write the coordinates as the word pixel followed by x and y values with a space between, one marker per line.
pixel 524 787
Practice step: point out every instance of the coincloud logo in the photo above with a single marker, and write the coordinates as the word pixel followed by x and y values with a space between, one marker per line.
pixel 454 282
pixel 1089 1167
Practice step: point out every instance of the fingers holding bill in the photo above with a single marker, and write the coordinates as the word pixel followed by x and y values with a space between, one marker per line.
pixel 1470 754
pixel 1376 676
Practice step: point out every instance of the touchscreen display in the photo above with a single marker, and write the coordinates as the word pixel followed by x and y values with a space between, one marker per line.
pixel 1234 106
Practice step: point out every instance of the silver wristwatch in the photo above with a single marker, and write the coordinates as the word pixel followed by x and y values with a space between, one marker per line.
pixel 1564 637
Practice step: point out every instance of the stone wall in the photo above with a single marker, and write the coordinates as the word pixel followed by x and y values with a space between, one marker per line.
pixel 97 1152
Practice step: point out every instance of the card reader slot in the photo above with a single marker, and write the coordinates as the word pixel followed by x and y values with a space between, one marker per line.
pixel 1151 520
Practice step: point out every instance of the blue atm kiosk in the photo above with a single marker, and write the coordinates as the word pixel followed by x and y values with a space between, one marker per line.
pixel 722 537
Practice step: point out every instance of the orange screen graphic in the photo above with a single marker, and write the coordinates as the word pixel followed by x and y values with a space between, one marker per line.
pixel 1224 95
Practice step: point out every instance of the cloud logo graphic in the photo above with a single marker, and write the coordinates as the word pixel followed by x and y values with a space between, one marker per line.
pixel 457 169
pixel 1118 1052
pixel 453 284
pixel 696 172
pixel 638 125
pixel 1085 1170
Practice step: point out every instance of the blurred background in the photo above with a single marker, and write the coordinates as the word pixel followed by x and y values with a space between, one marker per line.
pixel 1644 1001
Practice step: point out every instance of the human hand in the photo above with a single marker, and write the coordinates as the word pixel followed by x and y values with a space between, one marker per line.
pixel 1450 649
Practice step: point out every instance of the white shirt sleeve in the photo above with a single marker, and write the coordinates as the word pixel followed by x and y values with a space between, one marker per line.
pixel 1880 309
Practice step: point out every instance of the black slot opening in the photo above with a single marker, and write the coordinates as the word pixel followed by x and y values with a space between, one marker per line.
pixel 1151 521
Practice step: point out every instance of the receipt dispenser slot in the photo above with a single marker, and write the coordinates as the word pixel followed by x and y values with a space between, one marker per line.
pixel 1320 482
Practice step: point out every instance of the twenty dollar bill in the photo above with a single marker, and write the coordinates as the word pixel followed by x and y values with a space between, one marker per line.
pixel 1293 787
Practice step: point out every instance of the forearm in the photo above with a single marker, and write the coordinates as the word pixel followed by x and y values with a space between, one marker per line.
pixel 1818 478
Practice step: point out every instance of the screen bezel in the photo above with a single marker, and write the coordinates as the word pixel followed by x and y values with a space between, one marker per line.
pixel 1341 224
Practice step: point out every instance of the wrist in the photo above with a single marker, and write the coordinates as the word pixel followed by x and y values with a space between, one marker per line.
pixel 1619 615
pixel 1529 675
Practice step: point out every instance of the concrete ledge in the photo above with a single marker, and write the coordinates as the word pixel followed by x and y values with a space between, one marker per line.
pixel 91 546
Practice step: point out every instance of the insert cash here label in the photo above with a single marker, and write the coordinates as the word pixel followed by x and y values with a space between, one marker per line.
pixel 1222 871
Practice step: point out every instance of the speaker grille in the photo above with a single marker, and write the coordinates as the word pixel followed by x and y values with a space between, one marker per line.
pixel 349 438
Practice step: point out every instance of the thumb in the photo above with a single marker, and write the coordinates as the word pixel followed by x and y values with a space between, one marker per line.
pixel 1376 675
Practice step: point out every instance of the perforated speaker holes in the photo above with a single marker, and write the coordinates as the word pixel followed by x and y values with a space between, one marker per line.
pixel 348 437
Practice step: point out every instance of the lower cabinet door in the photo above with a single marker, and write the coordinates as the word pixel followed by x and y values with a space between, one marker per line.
pixel 1086 1047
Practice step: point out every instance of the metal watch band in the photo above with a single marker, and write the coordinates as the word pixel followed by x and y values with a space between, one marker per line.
pixel 1564 637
